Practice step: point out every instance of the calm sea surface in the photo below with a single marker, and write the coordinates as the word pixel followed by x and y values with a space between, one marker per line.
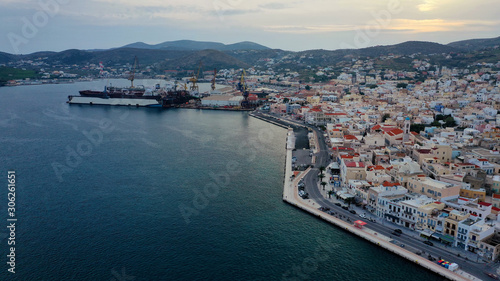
pixel 145 194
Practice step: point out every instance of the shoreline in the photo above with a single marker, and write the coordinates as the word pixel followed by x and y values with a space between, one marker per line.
pixel 290 196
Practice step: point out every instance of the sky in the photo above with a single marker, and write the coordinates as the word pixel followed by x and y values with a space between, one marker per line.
pixel 28 26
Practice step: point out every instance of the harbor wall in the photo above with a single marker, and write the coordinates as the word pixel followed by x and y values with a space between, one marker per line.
pixel 290 196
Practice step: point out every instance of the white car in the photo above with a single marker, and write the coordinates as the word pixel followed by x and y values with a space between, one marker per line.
pixel 363 216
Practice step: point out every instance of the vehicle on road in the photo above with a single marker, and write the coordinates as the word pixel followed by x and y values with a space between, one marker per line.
pixel 345 208
pixel 491 275
pixel 352 211
pixel 363 216
pixel 338 204
pixel 428 243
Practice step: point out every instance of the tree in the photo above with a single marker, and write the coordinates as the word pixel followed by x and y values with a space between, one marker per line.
pixel 450 122
pixel 308 88
pixel 417 127
pixel 385 117
pixel 323 184
pixel 401 85
pixel 436 124
pixel 322 169
pixel 330 192
pixel 349 201
pixel 286 100
pixel 321 176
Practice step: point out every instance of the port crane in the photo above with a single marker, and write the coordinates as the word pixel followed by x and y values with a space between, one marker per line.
pixel 242 86
pixel 194 80
pixel 132 75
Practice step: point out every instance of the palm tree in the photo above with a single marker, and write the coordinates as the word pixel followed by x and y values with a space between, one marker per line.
pixel 330 193
pixel 322 169
pixel 349 201
pixel 321 176
pixel 323 184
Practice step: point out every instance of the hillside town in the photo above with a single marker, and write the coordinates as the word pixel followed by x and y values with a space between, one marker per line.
pixel 419 148
pixel 421 155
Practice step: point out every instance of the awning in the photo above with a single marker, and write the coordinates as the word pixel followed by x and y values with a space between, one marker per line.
pixel 426 232
pixel 436 235
pixel 448 238
pixel 391 216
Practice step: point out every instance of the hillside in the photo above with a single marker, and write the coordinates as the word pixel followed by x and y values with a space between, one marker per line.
pixel 8 73
pixel 209 58
pixel 476 44
pixel 190 45
pixel 407 48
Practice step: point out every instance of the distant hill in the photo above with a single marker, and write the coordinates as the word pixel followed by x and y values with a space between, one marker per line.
pixel 108 57
pixel 6 57
pixel 210 59
pixel 407 48
pixel 476 44
pixel 185 45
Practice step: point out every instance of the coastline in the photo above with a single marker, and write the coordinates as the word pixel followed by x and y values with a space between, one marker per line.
pixel 291 197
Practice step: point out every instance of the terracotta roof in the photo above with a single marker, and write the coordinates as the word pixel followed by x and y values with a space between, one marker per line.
pixel 374 168
pixel 387 184
pixel 336 113
pixel 484 204
pixel 355 164
pixel 350 137
pixel 395 132
pixel 497 196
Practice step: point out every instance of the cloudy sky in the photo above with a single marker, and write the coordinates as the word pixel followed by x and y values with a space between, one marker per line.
pixel 35 25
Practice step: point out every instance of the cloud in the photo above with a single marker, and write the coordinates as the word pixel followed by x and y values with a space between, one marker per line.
pixel 439 25
pixel 428 5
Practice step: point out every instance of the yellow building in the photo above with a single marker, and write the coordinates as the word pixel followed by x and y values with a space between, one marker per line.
pixel 451 222
pixel 473 193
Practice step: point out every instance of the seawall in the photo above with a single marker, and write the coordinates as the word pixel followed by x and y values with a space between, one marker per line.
pixel 290 196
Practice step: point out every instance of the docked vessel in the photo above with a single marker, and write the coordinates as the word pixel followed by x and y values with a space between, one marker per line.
pixel 115 92
pixel 159 97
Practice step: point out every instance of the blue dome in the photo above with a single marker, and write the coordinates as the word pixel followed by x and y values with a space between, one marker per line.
pixel 407 118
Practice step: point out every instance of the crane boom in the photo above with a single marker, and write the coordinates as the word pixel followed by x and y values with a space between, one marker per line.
pixel 132 76
pixel 213 80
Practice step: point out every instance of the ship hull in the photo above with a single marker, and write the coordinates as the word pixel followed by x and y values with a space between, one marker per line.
pixel 136 102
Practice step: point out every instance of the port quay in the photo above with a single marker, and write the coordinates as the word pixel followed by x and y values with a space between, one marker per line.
pixel 290 196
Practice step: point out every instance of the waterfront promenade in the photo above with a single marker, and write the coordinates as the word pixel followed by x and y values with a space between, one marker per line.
pixel 290 195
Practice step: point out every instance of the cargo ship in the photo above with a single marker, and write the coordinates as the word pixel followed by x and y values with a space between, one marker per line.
pixel 115 92
pixel 138 97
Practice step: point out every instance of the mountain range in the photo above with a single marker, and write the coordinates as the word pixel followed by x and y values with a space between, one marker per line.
pixel 190 45
pixel 187 54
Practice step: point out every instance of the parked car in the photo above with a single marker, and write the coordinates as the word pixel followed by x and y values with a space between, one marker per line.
pixel 345 208
pixel 338 204
pixel 352 211
pixel 363 216
pixel 428 243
